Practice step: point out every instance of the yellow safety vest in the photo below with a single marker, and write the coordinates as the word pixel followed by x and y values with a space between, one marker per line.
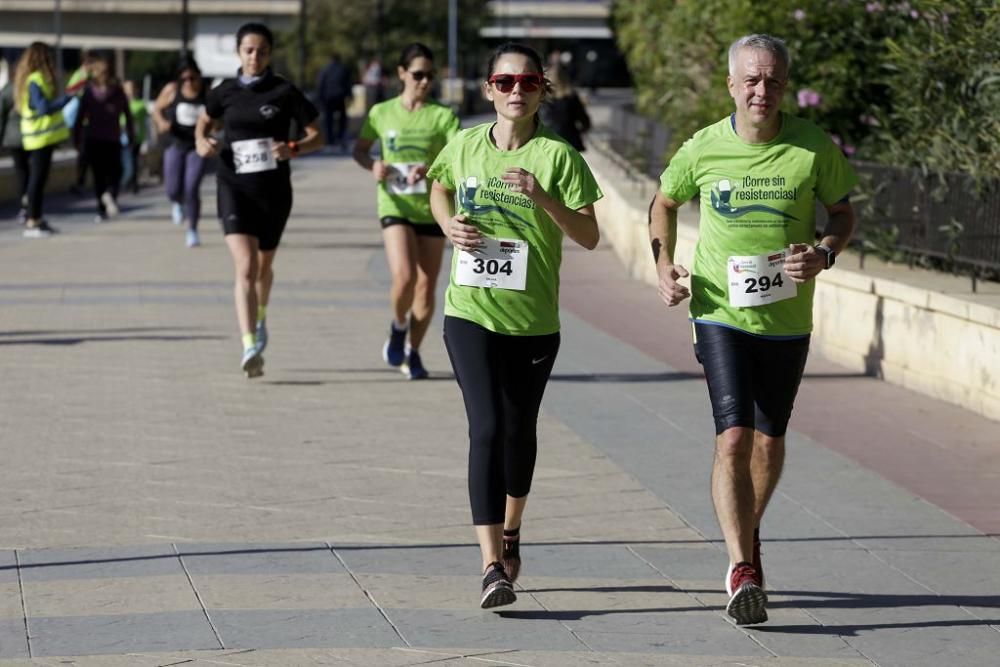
pixel 40 130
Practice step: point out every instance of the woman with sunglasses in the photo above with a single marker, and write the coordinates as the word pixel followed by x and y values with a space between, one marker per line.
pixel 520 189
pixel 411 129
pixel 175 114
pixel 256 109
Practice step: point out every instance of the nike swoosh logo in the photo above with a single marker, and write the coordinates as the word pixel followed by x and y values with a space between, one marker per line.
pixel 535 362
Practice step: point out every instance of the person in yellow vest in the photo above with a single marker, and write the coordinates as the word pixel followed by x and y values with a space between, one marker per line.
pixel 42 126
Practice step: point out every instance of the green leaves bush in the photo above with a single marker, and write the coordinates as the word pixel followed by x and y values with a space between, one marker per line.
pixel 906 83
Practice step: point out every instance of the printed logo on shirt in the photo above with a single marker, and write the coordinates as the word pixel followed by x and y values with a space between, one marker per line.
pixel 494 191
pixel 269 111
pixel 749 189
pixel 393 143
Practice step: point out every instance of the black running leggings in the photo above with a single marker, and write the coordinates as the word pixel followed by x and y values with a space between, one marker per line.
pixel 502 379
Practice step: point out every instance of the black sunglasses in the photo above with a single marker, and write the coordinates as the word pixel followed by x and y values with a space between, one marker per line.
pixel 420 75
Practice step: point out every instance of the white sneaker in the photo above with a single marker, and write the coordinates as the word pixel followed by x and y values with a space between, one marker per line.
pixel 252 362
pixel 177 213
pixel 110 205
pixel 191 239
pixel 40 231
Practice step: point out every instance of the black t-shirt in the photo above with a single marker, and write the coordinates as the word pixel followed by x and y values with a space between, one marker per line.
pixel 264 109
pixel 183 115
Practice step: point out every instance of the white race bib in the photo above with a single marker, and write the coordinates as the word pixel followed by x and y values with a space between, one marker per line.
pixel 253 155
pixel 395 180
pixel 759 280
pixel 186 114
pixel 500 263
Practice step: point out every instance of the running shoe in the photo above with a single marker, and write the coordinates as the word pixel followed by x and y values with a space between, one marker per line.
pixel 747 602
pixel 177 213
pixel 261 335
pixel 413 367
pixel 110 205
pixel 511 554
pixel 22 216
pixel 40 231
pixel 497 589
pixel 191 239
pixel 100 218
pixel 253 362
pixel 394 350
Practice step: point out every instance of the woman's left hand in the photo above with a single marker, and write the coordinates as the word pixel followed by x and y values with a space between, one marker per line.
pixel 523 181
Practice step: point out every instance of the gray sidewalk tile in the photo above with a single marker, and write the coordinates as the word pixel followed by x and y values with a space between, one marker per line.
pixel 94 562
pixel 429 559
pixel 259 558
pixel 304 628
pixel 109 596
pixel 88 635
pixel 13 639
pixel 476 628
pixel 267 591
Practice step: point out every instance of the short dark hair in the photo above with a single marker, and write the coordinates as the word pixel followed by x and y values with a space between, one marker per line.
pixel 254 29
pixel 412 52
pixel 187 64
pixel 514 47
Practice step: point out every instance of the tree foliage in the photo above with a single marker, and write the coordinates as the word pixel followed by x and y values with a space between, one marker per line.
pixel 361 29
pixel 911 83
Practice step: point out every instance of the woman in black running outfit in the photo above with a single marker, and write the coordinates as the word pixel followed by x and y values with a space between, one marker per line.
pixel 256 109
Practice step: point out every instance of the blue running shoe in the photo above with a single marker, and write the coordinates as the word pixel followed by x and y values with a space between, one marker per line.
pixel 394 350
pixel 177 213
pixel 413 367
pixel 252 363
pixel 261 335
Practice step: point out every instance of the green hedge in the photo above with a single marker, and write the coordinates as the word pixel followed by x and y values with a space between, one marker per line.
pixel 906 83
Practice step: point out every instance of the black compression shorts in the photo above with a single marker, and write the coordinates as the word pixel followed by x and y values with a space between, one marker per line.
pixel 422 229
pixel 262 214
pixel 752 381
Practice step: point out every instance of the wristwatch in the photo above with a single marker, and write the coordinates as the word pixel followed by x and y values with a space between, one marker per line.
pixel 830 253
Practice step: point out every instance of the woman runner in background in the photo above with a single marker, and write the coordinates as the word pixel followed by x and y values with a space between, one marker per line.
pixel 256 110
pixel 176 112
pixel 520 189
pixel 411 130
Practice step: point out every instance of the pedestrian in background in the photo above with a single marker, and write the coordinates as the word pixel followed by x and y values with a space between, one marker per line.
pixel 10 131
pixel 176 113
pixel 563 112
pixel 132 154
pixel 102 107
pixel 333 87
pixel 42 127
pixel 75 87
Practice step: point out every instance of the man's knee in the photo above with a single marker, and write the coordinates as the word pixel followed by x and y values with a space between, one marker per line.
pixel 735 443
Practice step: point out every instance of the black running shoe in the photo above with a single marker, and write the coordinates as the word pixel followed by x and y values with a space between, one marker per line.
pixel 497 589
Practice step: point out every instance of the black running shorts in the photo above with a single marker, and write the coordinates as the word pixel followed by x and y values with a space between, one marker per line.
pixel 261 213
pixel 752 381
pixel 422 229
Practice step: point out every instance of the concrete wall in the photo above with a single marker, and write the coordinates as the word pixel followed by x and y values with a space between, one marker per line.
pixel 922 330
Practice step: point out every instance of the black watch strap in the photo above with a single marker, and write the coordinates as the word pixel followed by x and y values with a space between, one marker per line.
pixel 831 255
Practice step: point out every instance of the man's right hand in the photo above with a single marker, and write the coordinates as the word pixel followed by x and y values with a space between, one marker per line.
pixel 380 170
pixel 670 290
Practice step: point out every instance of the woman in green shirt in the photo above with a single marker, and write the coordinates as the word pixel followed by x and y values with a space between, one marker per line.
pixel 411 129
pixel 520 189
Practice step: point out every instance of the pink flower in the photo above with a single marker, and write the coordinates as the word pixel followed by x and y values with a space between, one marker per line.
pixel 849 150
pixel 799 14
pixel 809 98
pixel 873 7
pixel 914 14
pixel 869 120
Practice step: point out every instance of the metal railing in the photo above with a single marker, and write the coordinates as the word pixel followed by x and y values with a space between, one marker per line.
pixel 906 215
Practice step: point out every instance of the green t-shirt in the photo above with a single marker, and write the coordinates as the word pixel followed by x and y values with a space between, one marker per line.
pixel 407 138
pixel 756 199
pixel 471 166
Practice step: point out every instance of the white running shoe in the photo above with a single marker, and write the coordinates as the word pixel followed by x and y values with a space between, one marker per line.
pixel 177 213
pixel 191 238
pixel 110 205
pixel 252 363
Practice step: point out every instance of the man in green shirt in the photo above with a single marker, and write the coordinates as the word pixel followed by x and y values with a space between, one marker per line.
pixel 758 174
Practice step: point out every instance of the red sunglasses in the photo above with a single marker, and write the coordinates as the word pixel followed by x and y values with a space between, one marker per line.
pixel 506 82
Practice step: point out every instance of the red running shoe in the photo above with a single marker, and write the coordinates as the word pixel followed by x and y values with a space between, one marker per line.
pixel 747 602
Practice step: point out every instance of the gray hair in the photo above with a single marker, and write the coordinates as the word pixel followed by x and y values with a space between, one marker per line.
pixel 759 41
